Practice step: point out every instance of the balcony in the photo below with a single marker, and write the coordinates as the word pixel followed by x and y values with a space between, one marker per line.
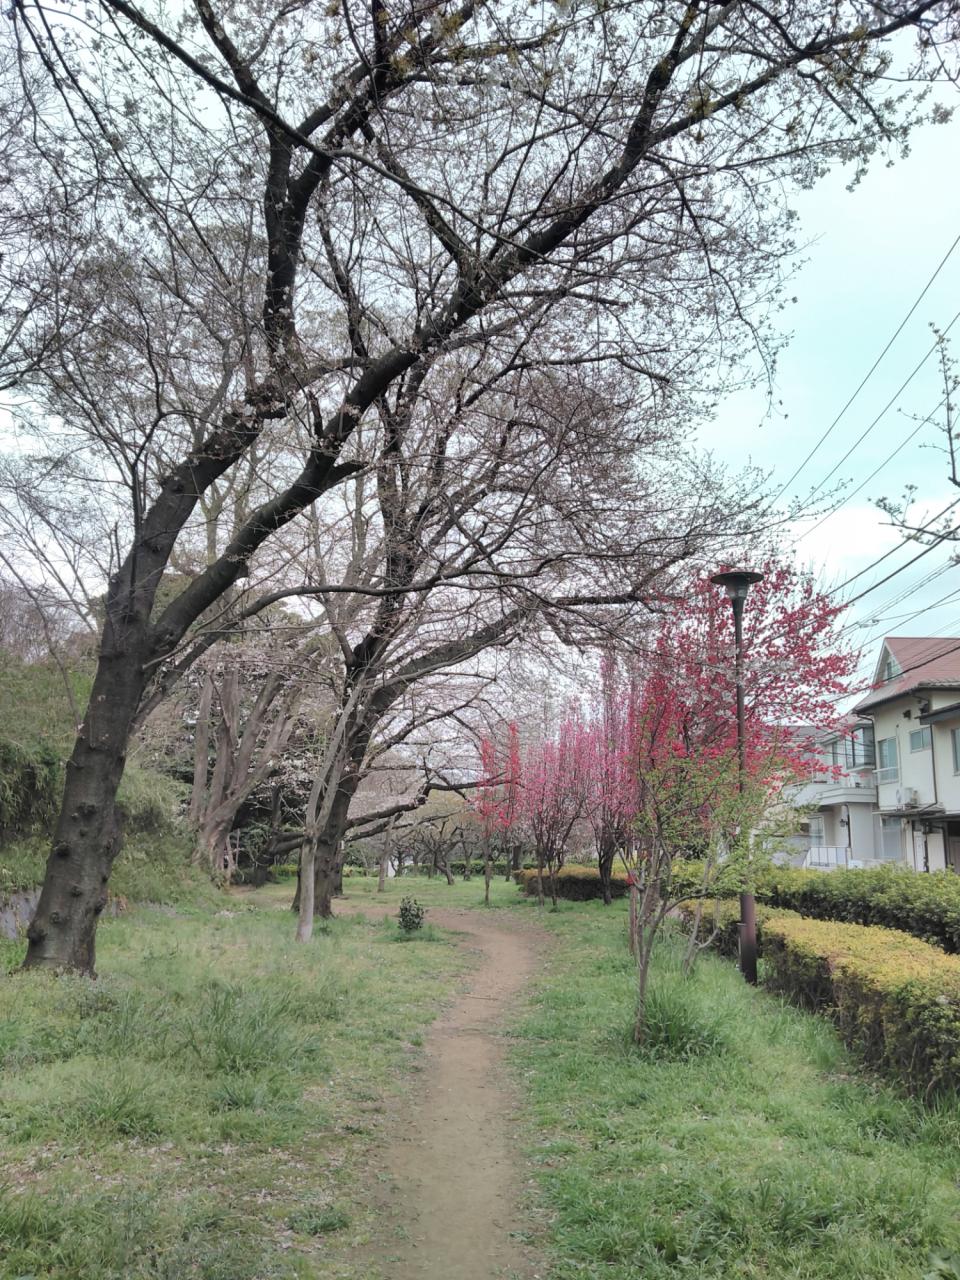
pixel 828 857
pixel 842 793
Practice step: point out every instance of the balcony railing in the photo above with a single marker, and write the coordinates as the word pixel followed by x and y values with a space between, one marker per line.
pixel 828 857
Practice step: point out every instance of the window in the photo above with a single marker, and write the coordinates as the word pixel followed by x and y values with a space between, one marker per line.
pixel 955 743
pixel 920 739
pixel 890 667
pixel 860 749
pixel 887 767
pixel 816 831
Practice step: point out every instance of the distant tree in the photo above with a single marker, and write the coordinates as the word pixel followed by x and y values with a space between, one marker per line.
pixel 554 784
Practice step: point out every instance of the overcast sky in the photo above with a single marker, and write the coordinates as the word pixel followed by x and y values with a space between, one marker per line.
pixel 870 252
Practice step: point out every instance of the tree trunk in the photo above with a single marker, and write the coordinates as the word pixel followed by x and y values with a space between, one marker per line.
pixel 213 848
pixel 487 872
pixel 326 880
pixel 62 933
pixel 605 859
pixel 308 859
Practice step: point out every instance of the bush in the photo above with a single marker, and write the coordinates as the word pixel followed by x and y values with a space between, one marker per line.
pixel 575 882
pixel 927 906
pixel 894 999
pixel 30 782
pixel 410 915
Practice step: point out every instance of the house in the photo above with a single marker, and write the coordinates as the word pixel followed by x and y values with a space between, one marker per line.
pixel 914 708
pixel 839 829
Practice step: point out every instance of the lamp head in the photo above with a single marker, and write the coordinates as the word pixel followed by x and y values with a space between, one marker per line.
pixel 737 582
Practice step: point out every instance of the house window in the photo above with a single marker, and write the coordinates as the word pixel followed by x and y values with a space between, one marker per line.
pixel 816 831
pixel 887 767
pixel 955 744
pixel 920 739
pixel 890 668
pixel 860 753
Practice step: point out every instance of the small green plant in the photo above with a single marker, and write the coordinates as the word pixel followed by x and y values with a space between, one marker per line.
pixel 317 1220
pixel 411 915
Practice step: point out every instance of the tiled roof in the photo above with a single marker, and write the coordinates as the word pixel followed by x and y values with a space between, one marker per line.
pixel 926 662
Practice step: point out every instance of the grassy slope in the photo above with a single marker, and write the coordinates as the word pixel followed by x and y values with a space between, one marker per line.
pixel 201 1109
pixel 743 1143
pixel 154 863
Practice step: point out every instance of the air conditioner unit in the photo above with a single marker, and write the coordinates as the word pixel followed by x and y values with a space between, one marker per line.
pixel 907 798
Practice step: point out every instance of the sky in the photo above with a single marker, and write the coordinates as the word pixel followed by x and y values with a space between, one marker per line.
pixel 868 255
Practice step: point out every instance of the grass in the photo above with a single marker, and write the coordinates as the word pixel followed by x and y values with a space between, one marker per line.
pixel 212 1106
pixel 740 1142
pixel 203 1109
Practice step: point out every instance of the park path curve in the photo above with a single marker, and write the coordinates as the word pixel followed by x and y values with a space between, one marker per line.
pixel 455 1206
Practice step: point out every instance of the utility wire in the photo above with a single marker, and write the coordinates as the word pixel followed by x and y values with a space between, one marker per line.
pixel 876 471
pixel 870 372
pixel 893 550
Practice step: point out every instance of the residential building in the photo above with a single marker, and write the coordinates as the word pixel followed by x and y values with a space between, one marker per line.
pixel 915 711
pixel 840 801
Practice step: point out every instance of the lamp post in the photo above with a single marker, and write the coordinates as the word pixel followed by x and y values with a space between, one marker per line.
pixel 738 582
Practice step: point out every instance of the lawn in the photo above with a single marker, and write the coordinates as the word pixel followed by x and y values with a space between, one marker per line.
pixel 205 1107
pixel 212 1106
pixel 742 1142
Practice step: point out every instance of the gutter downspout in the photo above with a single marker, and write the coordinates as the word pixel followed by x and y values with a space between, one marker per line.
pixel 924 704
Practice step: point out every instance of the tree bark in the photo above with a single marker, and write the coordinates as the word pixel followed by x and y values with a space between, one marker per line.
pixel 605 862
pixel 62 933
pixel 305 916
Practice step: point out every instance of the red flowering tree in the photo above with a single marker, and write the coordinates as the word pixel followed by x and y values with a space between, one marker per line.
pixel 691 797
pixel 612 758
pixel 554 795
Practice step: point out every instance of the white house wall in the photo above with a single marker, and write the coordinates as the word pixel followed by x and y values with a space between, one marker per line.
pixel 917 767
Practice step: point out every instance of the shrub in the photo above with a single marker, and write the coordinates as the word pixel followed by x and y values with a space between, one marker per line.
pixel 575 882
pixel 410 915
pixel 30 782
pixel 927 906
pixel 895 1000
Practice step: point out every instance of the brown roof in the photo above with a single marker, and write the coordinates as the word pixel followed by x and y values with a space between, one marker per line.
pixel 926 662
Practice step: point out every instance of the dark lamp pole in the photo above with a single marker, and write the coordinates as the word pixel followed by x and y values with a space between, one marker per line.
pixel 738 582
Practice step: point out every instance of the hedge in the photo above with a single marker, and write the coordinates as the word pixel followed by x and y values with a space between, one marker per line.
pixel 895 1000
pixel 924 905
pixel 575 882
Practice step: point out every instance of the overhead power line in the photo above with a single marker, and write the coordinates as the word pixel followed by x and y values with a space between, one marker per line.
pixel 870 372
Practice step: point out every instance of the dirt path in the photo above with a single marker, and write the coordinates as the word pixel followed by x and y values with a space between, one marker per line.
pixel 455 1182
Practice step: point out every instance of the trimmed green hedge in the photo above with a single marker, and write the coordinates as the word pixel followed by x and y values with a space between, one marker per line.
pixel 924 905
pixel 895 1000
pixel 574 882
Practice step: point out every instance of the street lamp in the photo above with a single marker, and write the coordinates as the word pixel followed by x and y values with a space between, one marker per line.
pixel 738 582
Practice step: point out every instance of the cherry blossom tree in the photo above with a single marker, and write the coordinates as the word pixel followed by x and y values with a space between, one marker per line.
pixel 242 247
